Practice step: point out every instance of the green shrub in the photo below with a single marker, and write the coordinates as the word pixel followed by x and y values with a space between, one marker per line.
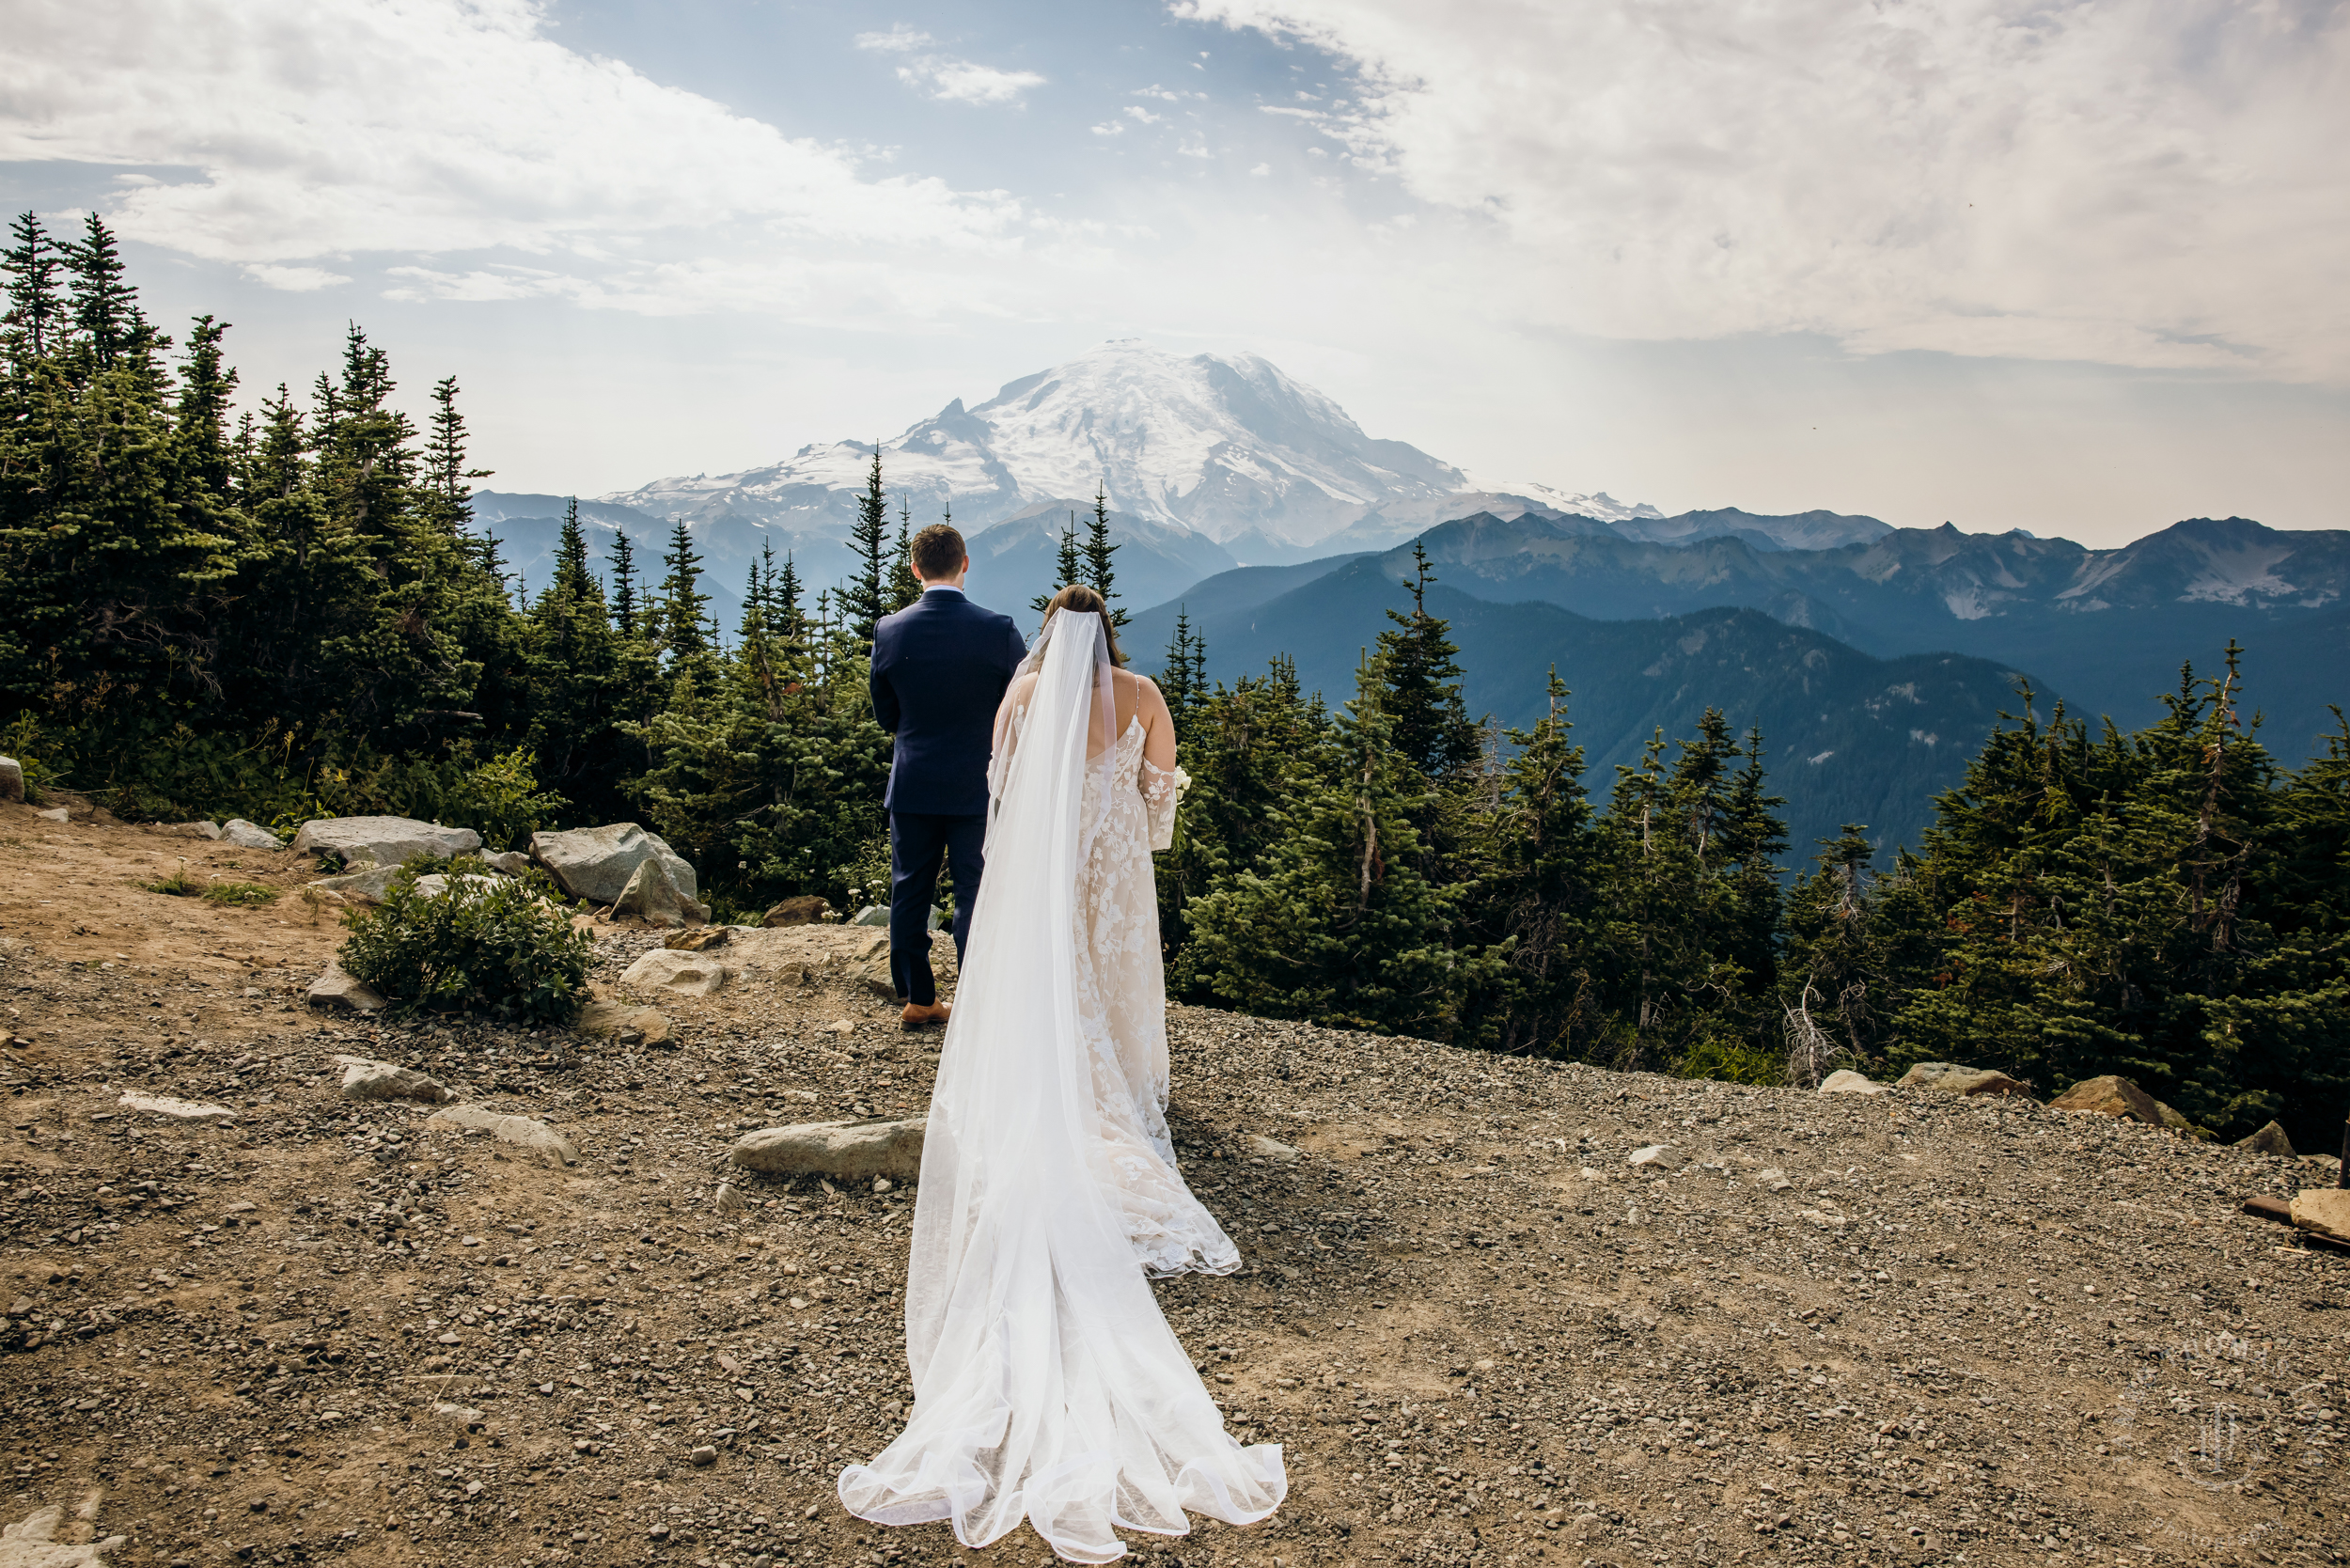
pixel 244 895
pixel 181 884
pixel 497 948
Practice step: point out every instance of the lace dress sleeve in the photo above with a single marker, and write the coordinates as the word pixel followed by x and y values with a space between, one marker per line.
pixel 1162 792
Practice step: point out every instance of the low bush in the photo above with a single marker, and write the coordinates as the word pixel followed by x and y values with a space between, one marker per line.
pixel 494 947
pixel 244 895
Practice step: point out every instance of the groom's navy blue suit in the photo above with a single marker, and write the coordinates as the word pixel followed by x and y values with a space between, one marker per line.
pixel 940 666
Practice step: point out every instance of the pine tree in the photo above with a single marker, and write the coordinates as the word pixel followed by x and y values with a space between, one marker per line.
pixel 904 586
pixel 35 310
pixel 447 482
pixel 625 611
pixel 102 306
pixel 1067 567
pixel 1429 721
pixel 202 420
pixel 1184 682
pixel 574 582
pixel 682 604
pixel 865 597
pixel 1098 550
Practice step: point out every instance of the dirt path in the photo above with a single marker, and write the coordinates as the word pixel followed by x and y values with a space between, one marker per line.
pixel 1845 1329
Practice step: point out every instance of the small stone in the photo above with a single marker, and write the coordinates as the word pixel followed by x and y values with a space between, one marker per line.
pixel 511 862
pixel 699 941
pixel 687 974
pixel 1272 1149
pixel 606 1020
pixel 54 814
pixel 704 1456
pixel 1659 1157
pixel 2270 1139
pixel 178 1111
pixel 1845 1081
pixel 881 1184
pixel 2110 1095
pixel 807 910
pixel 363 1080
pixel 338 988
pixel 190 830
pixel 245 835
pixel 728 1201
pixel 1954 1079
pixel 1773 1178
pixel 851 1150
pixel 457 1415
pixel 872 915
pixel 551 1147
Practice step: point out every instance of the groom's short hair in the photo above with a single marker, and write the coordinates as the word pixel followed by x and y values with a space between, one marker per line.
pixel 937 552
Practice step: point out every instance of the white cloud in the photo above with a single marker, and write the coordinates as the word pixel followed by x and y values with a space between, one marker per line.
pixel 1109 128
pixel 294 280
pixel 964 81
pixel 1141 115
pixel 944 76
pixel 323 127
pixel 2152 182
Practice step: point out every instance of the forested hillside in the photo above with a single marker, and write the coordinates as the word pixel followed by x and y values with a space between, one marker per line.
pixel 288 611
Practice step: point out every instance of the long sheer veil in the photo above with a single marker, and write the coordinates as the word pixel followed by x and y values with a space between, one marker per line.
pixel 1047 1385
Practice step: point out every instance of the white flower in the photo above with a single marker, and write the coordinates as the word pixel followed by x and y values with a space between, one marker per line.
pixel 1183 782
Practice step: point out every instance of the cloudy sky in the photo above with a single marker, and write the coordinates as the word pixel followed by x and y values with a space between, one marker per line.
pixel 2071 266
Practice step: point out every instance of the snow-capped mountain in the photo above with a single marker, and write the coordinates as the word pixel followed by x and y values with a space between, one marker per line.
pixel 1222 445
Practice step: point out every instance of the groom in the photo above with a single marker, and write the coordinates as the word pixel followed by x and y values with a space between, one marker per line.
pixel 940 666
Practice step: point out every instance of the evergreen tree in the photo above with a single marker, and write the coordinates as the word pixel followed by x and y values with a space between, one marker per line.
pixel 865 597
pixel 904 586
pixel 574 582
pixel 202 420
pixel 448 481
pixel 625 611
pixel 1067 567
pixel 34 312
pixel 683 633
pixel 102 306
pixel 1184 682
pixel 1098 550
pixel 1423 671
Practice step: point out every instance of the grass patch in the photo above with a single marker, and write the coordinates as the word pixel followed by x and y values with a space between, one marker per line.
pixel 244 895
pixel 181 884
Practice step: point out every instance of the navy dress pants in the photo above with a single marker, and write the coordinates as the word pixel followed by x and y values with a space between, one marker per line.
pixel 918 842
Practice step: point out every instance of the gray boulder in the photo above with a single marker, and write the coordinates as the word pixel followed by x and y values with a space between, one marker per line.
pixel 192 830
pixel 1953 1079
pixel 687 974
pixel 2270 1139
pixel 245 835
pixel 658 895
pixel 385 841
pixel 597 863
pixel 367 883
pixel 513 862
pixel 1845 1081
pixel 367 1079
pixel 535 1138
pixel 849 1150
pixel 11 779
pixel 338 988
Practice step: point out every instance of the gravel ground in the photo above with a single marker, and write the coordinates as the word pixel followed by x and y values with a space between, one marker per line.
pixel 1823 1329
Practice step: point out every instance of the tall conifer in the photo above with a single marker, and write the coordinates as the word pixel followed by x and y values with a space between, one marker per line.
pixel 865 597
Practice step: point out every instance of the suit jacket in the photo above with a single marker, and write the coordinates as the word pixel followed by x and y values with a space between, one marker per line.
pixel 940 666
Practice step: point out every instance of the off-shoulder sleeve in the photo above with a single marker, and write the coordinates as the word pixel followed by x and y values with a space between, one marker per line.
pixel 1162 792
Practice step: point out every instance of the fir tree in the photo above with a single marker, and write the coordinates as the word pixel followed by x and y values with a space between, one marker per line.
pixel 682 605
pixel 865 597
pixel 904 587
pixel 102 306
pixel 201 422
pixel 1423 700
pixel 446 480
pixel 1067 567
pixel 35 310
pixel 574 582
pixel 1184 682
pixel 1098 550
pixel 625 611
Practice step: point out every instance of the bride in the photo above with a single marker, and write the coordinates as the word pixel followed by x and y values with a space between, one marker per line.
pixel 1047 1386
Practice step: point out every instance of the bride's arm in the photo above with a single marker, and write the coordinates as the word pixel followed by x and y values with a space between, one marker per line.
pixel 1161 778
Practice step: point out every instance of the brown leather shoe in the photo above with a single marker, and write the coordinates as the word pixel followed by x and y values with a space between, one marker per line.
pixel 915 1017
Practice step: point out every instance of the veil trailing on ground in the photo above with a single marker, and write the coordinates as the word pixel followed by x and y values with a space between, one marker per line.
pixel 1047 1385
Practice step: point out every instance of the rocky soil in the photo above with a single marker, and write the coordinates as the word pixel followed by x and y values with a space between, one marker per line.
pixel 1908 1328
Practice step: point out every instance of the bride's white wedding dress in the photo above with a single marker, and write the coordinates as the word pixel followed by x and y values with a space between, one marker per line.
pixel 1047 1385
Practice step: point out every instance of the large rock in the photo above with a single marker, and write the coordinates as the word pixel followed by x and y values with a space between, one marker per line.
pixel 1954 1079
pixel 385 841
pixel 850 1150
pixel 513 862
pixel 2324 1212
pixel 1845 1081
pixel 541 1140
pixel 659 896
pixel 11 779
pixel 338 988
pixel 367 1079
pixel 687 974
pixel 806 910
pixel 366 885
pixel 174 1109
pixel 2110 1095
pixel 245 835
pixel 33 1544
pixel 597 863
pixel 2178 1123
pixel 2270 1139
